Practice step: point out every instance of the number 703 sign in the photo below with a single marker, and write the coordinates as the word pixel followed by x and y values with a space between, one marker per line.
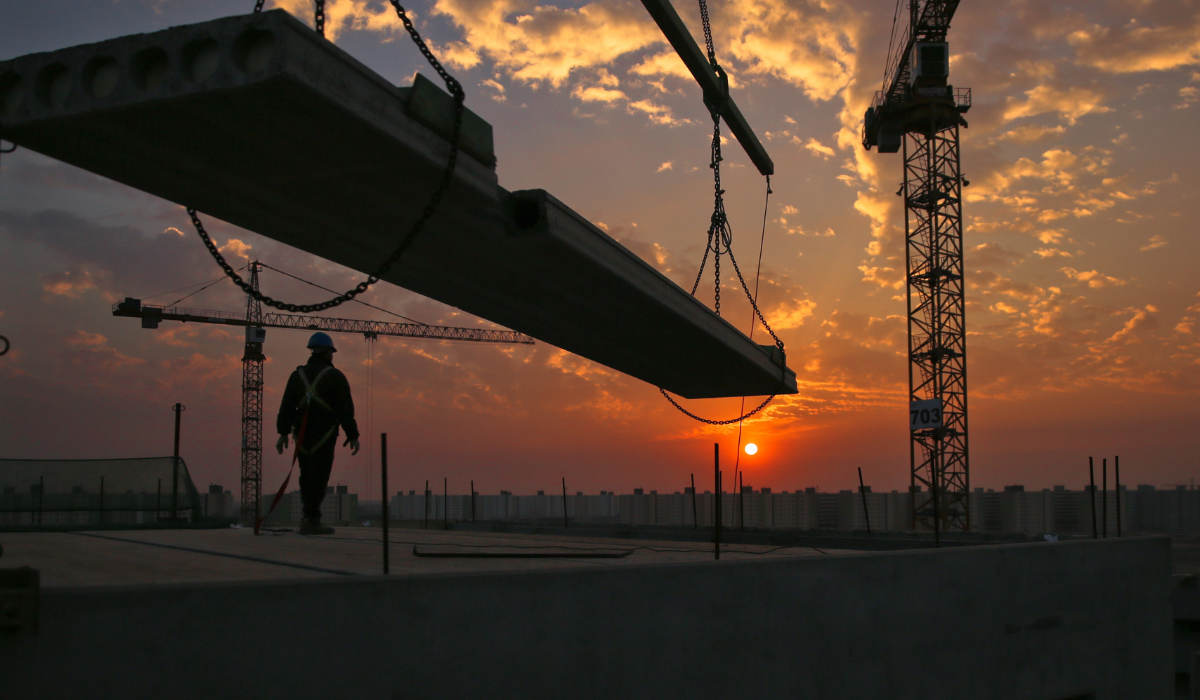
pixel 925 415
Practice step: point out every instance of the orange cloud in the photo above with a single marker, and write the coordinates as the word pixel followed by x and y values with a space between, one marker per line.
pixel 816 147
pixel 1094 279
pixel 1154 242
pixel 1070 104
pixel 74 282
pixel 1133 47
pixel 92 350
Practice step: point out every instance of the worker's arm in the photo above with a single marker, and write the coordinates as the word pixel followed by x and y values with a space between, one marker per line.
pixel 343 408
pixel 289 407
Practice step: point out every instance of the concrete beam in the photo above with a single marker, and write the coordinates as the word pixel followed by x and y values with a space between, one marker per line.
pixel 258 121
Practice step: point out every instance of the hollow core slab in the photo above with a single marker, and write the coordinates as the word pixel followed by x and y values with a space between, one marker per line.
pixel 260 122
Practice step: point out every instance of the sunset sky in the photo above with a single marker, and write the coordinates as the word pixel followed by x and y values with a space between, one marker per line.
pixel 1083 304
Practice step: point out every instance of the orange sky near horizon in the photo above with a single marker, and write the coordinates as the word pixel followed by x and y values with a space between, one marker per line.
pixel 1083 292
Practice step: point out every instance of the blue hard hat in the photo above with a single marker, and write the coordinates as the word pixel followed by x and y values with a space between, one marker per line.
pixel 321 340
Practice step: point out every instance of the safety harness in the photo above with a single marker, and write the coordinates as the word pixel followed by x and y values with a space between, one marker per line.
pixel 310 395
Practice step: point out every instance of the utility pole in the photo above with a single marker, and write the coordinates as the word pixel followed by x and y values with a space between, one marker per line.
pixel 252 405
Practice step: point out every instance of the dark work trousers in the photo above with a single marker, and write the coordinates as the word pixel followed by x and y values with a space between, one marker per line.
pixel 314 477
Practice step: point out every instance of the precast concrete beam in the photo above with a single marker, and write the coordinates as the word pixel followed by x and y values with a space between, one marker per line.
pixel 262 123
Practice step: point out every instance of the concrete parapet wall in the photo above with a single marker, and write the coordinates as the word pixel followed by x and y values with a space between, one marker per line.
pixel 1034 621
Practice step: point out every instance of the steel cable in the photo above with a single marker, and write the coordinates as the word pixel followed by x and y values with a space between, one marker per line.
pixel 418 226
pixel 720 242
pixel 357 301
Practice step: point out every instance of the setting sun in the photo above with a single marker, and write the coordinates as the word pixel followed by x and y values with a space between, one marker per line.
pixel 751 448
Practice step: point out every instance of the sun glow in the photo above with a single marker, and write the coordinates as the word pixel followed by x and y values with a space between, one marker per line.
pixel 751 448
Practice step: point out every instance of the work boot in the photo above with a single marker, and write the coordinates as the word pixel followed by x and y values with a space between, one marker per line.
pixel 314 527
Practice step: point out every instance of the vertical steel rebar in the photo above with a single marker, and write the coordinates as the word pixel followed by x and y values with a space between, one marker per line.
pixel 472 500
pixel 101 500
pixel 741 502
pixel 1092 478
pixel 425 500
pixel 383 476
pixel 178 408
pixel 445 503
pixel 937 517
pixel 41 496
pixel 1104 497
pixel 717 500
pixel 863 490
pixel 695 512
pixel 565 523
pixel 158 503
pixel 1116 477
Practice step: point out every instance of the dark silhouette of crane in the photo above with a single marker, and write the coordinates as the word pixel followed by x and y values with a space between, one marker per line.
pixel 918 110
pixel 256 323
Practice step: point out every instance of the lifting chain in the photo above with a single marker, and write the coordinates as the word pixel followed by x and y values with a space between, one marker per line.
pixel 720 241
pixel 418 226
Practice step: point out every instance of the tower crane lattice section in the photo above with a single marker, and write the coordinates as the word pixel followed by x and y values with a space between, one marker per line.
pixel 937 324
pixel 252 405
pixel 920 113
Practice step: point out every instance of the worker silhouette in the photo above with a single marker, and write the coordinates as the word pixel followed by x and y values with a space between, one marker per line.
pixel 315 402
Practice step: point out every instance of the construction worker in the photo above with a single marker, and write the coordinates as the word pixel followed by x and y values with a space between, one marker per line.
pixel 316 400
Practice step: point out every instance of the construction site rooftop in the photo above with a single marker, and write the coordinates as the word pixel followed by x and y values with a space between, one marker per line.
pixel 131 557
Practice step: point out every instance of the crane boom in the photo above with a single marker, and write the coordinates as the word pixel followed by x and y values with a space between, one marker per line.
pixel 152 314
pixel 930 23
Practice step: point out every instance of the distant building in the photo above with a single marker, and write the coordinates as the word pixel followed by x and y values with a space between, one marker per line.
pixel 339 507
pixel 218 503
pixel 1012 509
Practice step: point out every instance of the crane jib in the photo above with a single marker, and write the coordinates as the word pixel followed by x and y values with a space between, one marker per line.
pixel 151 315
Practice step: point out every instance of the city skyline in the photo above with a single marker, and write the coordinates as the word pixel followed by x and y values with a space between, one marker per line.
pixel 1082 293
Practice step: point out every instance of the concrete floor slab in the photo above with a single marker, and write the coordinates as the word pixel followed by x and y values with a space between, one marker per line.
pixel 258 121
pixel 1044 621
pixel 182 556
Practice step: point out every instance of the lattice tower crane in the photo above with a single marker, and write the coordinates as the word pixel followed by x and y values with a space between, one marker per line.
pixel 256 323
pixel 920 112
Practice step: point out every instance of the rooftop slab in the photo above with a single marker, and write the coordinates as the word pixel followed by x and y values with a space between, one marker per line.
pixel 1083 619
pixel 260 122
pixel 114 557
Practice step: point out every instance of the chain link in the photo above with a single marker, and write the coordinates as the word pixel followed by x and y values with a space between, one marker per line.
pixel 258 5
pixel 319 17
pixel 720 242
pixel 708 42
pixel 710 421
pixel 418 226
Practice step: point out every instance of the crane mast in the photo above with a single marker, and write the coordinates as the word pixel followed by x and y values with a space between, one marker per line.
pixel 252 405
pixel 256 323
pixel 920 113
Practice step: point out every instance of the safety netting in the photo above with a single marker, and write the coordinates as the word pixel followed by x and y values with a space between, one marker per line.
pixel 80 491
